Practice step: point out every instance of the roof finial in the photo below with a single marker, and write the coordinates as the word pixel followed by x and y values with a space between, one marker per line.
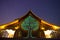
pixel 30 10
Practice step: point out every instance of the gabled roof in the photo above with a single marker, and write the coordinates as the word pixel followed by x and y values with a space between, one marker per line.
pixel 30 13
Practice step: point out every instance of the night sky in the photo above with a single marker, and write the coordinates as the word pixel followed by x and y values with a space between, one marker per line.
pixel 48 10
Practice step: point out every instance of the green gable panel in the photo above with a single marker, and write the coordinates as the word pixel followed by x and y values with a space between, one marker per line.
pixel 30 22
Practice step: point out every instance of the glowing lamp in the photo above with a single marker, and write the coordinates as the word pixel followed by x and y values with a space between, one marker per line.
pixel 17 27
pixel 47 33
pixel 42 28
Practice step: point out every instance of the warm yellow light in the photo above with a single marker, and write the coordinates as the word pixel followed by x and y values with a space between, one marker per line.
pixel 11 33
pixel 14 22
pixel 47 33
pixel 42 28
pixel 3 26
pixel 55 27
pixel 10 36
pixel 46 23
pixel 17 27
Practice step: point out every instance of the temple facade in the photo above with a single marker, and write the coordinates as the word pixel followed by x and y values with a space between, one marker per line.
pixel 29 26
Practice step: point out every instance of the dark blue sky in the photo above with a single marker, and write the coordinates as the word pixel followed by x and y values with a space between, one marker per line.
pixel 48 10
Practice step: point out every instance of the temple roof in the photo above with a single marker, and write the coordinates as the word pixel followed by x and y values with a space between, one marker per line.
pixel 29 13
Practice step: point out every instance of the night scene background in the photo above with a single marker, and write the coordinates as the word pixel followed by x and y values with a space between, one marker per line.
pixel 48 10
